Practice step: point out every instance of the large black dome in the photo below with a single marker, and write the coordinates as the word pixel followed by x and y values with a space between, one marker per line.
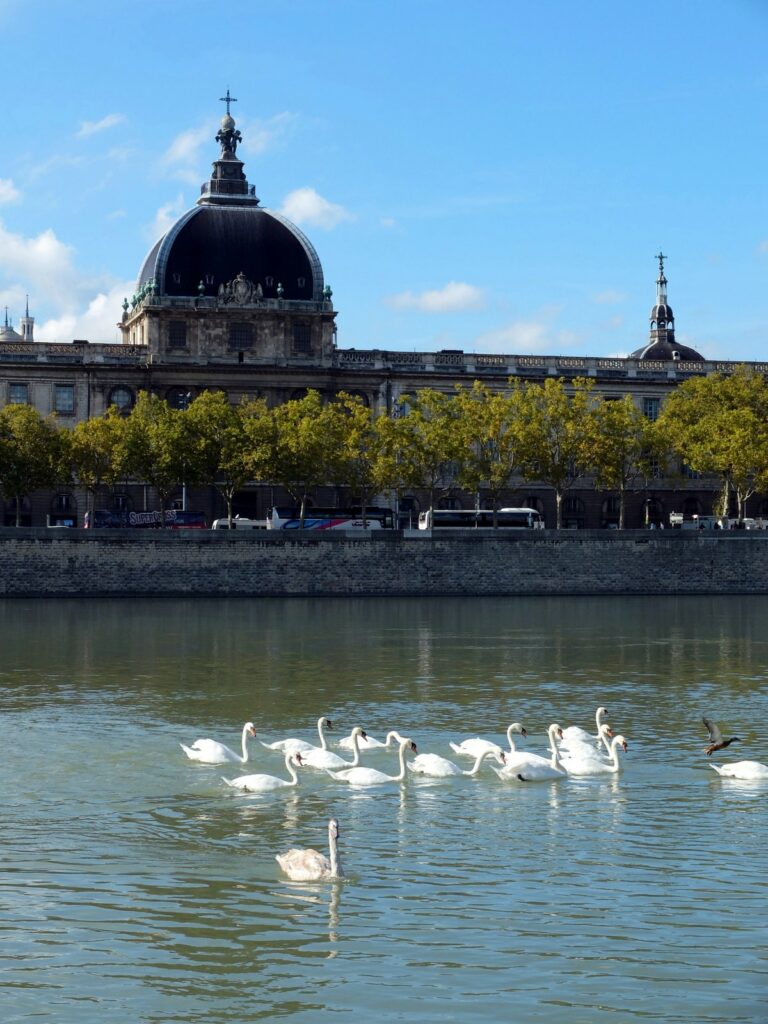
pixel 214 243
pixel 227 235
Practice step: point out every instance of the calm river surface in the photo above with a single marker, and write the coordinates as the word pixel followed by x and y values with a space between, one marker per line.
pixel 135 886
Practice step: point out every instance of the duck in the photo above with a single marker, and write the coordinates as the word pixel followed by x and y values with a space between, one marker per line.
pixel 473 747
pixel 293 745
pixel 362 776
pixel 527 767
pixel 310 865
pixel 208 751
pixel 441 768
pixel 716 739
pixel 316 757
pixel 581 764
pixel 267 783
pixel 742 770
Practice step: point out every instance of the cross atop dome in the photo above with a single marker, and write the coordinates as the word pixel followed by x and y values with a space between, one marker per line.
pixel 227 99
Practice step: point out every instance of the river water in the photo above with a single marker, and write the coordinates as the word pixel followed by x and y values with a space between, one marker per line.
pixel 136 886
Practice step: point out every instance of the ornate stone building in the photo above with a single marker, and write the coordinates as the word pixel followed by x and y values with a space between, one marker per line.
pixel 233 298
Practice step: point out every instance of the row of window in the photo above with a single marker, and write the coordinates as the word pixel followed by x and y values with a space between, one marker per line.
pixel 241 336
pixel 63 397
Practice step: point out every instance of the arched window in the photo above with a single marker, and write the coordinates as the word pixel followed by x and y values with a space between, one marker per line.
pixel 123 398
pixel 25 512
pixel 179 398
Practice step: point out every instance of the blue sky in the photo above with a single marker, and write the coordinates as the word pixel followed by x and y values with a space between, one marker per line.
pixel 494 176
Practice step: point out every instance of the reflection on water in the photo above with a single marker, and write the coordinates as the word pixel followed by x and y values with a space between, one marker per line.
pixel 133 883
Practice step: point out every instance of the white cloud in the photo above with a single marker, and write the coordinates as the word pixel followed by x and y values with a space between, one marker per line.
pixel 306 206
pixel 92 127
pixel 452 298
pixel 8 191
pixel 261 135
pixel 165 218
pixel 524 337
pixel 96 321
pixel 182 159
pixel 609 298
pixel 82 305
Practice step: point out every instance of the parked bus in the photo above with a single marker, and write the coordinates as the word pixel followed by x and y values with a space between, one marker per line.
pixel 474 519
pixel 239 523
pixel 284 518
pixel 175 519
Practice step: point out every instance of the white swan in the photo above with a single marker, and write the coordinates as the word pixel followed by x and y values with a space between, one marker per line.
pixel 527 767
pixel 366 742
pixel 265 783
pixel 293 745
pixel 316 757
pixel 310 865
pixel 361 776
pixel 441 768
pixel 581 764
pixel 212 752
pixel 575 732
pixel 742 770
pixel 587 748
pixel 473 747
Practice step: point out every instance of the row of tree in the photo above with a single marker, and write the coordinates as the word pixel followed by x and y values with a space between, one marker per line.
pixel 476 439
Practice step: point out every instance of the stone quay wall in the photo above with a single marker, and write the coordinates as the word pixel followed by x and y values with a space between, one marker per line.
pixel 129 563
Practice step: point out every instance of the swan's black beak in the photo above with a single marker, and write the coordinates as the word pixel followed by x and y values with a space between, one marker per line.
pixel 624 745
pixel 523 732
pixel 363 735
pixel 328 723
pixel 414 748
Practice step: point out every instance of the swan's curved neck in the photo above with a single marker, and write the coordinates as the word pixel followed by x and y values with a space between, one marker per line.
pixel 401 775
pixel 555 762
pixel 613 750
pixel 245 744
pixel 599 716
pixel 393 736
pixel 478 761
pixel 356 748
pixel 290 767
pixel 333 846
pixel 512 748
pixel 321 733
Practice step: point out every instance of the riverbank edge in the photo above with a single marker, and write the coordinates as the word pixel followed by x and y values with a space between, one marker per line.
pixel 59 563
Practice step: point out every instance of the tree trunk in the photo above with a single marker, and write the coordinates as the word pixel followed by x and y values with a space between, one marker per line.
pixel 559 508
pixel 622 494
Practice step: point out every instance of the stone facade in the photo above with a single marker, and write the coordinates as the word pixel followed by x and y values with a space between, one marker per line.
pixel 116 563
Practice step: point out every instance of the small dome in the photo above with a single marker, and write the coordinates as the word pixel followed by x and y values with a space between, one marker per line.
pixel 664 349
pixel 662 312
pixel 7 333
pixel 227 122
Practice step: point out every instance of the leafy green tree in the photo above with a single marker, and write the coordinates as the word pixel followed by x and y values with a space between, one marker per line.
pixel 623 447
pixel 490 422
pixel 98 451
pixel 306 447
pixel 557 434
pixel 426 445
pixel 225 443
pixel 361 463
pixel 159 451
pixel 719 425
pixel 30 453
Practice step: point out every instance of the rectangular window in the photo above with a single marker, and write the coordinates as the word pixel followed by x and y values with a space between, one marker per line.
pixel 64 399
pixel 690 474
pixel 240 336
pixel 651 408
pixel 177 334
pixel 18 394
pixel 302 339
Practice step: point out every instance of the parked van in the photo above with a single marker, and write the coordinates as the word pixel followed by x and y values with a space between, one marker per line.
pixel 239 523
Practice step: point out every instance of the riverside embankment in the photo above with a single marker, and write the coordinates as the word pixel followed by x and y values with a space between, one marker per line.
pixel 125 563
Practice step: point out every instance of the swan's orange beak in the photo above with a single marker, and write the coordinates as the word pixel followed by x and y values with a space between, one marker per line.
pixel 252 731
pixel 609 731
pixel 624 745
pixel 560 733
pixel 523 732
